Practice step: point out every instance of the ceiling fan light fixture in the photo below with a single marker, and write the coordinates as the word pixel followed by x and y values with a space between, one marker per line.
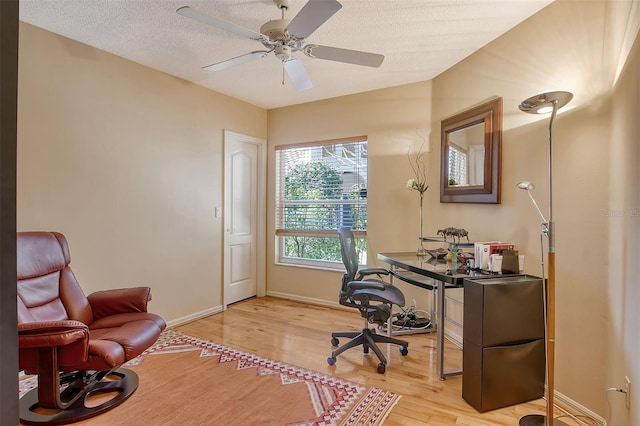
pixel 283 52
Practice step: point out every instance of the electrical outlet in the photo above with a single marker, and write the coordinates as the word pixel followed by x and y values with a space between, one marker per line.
pixel 627 391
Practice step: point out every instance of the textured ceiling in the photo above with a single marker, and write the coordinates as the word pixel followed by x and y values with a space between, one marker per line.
pixel 419 39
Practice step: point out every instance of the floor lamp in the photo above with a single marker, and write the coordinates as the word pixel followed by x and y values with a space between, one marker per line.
pixel 543 104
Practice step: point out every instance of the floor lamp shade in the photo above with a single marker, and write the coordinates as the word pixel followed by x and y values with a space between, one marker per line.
pixel 544 102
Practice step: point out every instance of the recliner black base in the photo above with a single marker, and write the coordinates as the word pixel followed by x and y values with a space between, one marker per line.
pixel 32 413
pixel 367 338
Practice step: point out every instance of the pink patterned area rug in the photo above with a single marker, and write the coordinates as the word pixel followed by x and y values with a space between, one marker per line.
pixel 189 381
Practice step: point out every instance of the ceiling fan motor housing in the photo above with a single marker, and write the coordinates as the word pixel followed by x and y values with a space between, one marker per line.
pixel 276 30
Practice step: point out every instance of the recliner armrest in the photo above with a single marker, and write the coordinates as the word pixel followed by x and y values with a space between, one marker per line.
pixel 51 333
pixel 371 271
pixel 119 301
pixel 364 285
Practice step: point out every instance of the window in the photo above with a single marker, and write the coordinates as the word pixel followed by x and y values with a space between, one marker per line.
pixel 319 188
pixel 457 165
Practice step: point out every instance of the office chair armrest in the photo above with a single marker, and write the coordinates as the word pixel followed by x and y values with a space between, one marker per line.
pixel 371 271
pixel 364 285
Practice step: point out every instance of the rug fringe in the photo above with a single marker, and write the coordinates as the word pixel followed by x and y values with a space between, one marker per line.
pixel 391 406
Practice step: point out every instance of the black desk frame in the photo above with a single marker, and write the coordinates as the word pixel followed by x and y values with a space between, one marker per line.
pixel 444 279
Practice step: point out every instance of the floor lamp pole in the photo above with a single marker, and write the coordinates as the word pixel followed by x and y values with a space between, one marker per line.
pixel 551 282
pixel 541 104
pixel 551 335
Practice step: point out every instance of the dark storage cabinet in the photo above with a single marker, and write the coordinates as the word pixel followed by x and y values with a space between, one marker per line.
pixel 503 360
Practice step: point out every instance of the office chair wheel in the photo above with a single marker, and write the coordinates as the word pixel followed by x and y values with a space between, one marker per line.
pixel 404 350
pixel 335 341
pixel 331 360
pixel 382 368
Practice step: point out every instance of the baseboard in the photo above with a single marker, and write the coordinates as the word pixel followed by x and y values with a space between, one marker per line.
pixel 195 316
pixel 310 300
pixel 454 338
pixel 573 409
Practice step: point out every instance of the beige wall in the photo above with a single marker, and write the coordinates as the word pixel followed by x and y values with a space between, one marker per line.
pixel 127 163
pixel 511 67
pixel 623 225
pixel 574 46
pixel 394 120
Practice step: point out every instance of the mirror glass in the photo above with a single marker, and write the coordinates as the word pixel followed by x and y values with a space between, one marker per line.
pixel 470 163
pixel 466 156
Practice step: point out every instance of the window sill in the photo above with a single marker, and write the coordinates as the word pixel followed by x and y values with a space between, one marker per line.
pixel 337 268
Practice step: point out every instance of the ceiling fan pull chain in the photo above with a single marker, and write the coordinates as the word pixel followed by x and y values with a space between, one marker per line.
pixel 283 73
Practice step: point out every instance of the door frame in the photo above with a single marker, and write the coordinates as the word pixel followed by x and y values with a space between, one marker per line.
pixel 261 203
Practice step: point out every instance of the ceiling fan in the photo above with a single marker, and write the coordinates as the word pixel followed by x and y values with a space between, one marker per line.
pixel 286 36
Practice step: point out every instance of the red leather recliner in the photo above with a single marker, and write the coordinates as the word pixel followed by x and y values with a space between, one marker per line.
pixel 75 344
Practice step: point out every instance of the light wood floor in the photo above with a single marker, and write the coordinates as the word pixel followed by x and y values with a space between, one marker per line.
pixel 299 334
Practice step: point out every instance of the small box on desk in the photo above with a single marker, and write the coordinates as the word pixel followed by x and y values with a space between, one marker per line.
pixel 483 250
pixel 503 359
pixel 506 262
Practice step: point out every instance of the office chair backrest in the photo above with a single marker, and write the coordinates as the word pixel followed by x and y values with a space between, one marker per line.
pixel 349 253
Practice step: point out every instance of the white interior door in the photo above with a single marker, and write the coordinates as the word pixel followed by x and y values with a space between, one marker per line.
pixel 243 217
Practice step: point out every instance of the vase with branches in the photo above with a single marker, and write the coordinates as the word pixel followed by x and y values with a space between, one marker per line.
pixel 419 184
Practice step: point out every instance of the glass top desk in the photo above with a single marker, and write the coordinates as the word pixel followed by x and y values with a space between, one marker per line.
pixel 410 268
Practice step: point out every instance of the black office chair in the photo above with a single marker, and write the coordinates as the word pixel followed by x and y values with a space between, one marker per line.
pixel 358 292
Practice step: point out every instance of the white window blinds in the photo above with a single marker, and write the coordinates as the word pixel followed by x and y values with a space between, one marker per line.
pixel 458 173
pixel 320 187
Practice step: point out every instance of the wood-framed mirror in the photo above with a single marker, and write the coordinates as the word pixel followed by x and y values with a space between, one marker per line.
pixel 471 155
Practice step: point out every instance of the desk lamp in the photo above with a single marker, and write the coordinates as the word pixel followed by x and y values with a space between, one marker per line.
pixel 543 104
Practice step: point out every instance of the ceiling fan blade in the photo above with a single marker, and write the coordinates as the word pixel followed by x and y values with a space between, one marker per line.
pixel 344 55
pixel 237 60
pixel 297 74
pixel 219 23
pixel 312 16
